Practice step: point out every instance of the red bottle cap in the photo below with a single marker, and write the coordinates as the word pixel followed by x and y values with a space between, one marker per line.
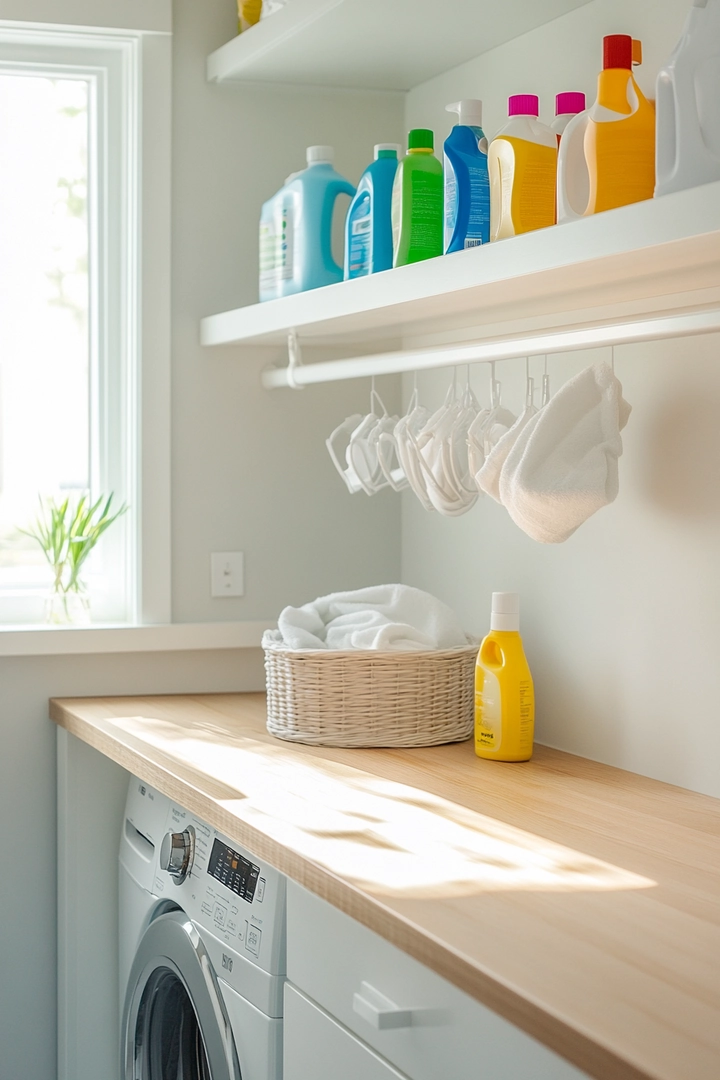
pixel 523 105
pixel 571 102
pixel 617 51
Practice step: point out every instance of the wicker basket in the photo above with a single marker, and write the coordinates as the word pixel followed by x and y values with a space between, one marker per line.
pixel 370 698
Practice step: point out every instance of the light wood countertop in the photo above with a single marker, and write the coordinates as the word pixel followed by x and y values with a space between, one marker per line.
pixel 579 901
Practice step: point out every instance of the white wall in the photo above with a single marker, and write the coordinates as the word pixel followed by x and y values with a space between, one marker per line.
pixel 250 473
pixel 622 622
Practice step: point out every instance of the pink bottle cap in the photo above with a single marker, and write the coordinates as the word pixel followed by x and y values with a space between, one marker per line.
pixel 523 105
pixel 571 102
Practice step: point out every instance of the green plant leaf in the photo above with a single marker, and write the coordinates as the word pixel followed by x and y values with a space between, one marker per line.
pixel 67 534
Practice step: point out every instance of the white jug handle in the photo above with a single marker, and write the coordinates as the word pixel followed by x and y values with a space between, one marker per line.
pixel 573 176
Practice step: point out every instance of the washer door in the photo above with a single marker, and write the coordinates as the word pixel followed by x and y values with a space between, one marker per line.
pixel 175 1026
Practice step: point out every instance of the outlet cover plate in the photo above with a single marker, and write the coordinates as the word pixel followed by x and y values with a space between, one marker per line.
pixel 227 573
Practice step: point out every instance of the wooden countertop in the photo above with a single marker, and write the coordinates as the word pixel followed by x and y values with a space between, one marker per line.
pixel 579 901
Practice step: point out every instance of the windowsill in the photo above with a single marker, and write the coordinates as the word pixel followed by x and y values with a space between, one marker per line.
pixel 173 637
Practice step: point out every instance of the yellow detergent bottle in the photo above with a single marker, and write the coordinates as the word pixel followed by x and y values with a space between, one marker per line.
pixel 504 694
pixel 522 163
pixel 613 142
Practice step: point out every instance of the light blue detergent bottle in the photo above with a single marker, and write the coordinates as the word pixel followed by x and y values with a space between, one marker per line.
pixel 368 226
pixel 467 187
pixel 296 229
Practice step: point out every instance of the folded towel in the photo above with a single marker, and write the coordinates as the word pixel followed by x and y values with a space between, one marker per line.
pixel 563 466
pixel 394 618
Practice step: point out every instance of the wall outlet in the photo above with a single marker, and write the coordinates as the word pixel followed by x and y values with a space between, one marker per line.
pixel 227 573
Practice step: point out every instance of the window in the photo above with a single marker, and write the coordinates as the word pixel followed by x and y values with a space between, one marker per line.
pixel 72 248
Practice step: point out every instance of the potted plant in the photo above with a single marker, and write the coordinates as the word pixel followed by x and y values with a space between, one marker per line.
pixel 67 532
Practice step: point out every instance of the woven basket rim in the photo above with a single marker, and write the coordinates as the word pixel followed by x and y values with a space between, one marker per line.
pixel 278 647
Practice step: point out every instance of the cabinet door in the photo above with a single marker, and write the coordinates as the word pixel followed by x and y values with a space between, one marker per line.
pixel 317 1047
pixel 412 1017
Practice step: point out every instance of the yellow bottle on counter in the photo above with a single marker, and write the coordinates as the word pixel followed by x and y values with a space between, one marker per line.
pixel 504 694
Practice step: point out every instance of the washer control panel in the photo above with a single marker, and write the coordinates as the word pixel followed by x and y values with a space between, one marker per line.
pixel 240 901
pixel 233 870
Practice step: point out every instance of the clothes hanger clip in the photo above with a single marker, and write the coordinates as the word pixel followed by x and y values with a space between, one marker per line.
pixel 294 360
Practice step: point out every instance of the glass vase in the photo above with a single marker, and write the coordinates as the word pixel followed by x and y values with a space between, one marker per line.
pixel 70 608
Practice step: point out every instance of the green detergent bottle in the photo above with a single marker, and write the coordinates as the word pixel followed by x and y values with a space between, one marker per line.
pixel 417 202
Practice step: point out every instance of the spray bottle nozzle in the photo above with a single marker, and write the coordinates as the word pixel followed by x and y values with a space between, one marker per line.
pixel 469 112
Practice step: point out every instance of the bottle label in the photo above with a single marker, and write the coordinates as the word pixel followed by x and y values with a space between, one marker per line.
pixel 360 236
pixel 478 228
pixel 267 255
pixel 488 712
pixel 450 201
pixel 426 225
pixel 478 218
pixel 527 715
pixel 276 247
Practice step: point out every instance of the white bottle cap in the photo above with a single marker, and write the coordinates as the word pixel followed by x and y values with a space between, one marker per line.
pixel 505 611
pixel 320 155
pixel 387 146
pixel 469 112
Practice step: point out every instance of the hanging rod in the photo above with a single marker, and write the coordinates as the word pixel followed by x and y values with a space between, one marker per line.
pixel 297 375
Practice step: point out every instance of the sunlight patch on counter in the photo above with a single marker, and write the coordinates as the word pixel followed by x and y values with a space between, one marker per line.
pixel 389 837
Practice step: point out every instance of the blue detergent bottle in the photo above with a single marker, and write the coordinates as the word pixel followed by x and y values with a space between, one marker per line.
pixel 368 226
pixel 467 186
pixel 296 229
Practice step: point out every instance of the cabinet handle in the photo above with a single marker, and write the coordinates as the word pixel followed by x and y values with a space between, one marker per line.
pixel 379 1011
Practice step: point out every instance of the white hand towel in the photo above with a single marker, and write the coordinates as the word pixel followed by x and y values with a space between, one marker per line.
pixel 563 466
pixel 488 477
pixel 388 617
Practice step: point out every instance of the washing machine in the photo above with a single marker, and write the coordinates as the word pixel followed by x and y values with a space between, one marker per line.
pixel 202 949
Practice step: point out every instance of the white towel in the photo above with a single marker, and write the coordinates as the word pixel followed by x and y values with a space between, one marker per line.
pixel 396 618
pixel 488 477
pixel 563 466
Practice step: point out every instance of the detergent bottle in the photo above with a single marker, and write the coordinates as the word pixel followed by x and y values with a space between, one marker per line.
pixel 417 202
pixel 567 106
pixel 368 226
pixel 504 694
pixel 522 162
pixel 688 104
pixel 467 184
pixel 576 177
pixel 296 229
pixel 613 141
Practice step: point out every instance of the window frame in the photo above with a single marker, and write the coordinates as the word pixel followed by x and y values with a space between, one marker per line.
pixel 130 72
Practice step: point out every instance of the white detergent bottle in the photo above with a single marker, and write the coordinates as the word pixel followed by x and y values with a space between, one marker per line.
pixel 688 104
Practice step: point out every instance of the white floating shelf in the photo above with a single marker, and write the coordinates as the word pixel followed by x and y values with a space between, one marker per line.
pixel 651 259
pixel 375 44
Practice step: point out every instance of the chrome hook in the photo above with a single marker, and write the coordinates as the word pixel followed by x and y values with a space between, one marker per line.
pixel 529 385
pixel 546 384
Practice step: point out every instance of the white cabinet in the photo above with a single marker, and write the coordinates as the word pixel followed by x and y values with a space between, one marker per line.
pixel 317 1046
pixel 414 1019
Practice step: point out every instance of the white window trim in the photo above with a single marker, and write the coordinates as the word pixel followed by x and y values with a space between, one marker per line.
pixel 134 15
pixel 147 316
